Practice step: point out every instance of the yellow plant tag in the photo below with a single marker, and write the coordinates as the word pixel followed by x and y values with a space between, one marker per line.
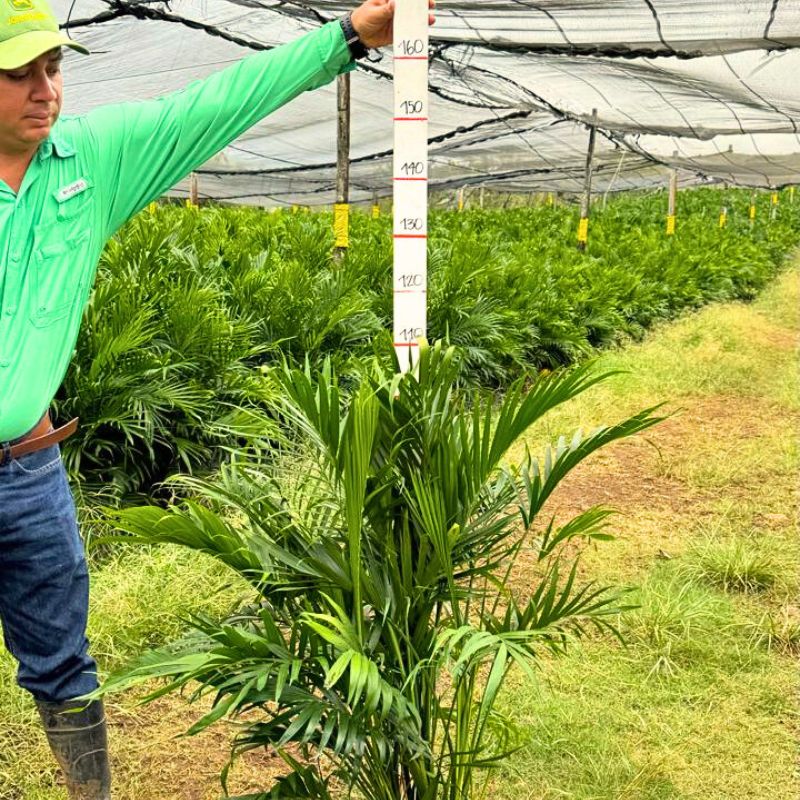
pixel 774 198
pixel 341 224
pixel 583 230
pixel 376 211
pixel 723 220
pixel 752 212
pixel 671 225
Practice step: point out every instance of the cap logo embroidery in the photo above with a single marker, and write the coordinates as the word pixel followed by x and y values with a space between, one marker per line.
pixel 31 16
pixel 21 5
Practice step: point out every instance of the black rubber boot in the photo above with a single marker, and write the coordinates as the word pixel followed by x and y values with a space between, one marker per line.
pixel 77 735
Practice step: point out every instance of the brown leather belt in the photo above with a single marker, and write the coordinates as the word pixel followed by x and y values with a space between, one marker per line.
pixel 39 438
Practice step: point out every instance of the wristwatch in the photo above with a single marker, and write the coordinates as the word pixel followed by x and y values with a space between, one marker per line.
pixel 357 48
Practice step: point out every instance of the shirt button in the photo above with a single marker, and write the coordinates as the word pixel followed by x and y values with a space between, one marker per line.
pixel 10 311
pixel 4 362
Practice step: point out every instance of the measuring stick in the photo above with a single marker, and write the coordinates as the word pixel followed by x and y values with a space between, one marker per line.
pixel 410 178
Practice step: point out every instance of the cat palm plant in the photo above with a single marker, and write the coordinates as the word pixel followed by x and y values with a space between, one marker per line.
pixel 379 549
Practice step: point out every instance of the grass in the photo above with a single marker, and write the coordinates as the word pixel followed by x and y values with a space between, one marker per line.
pixel 139 598
pixel 673 621
pixel 778 630
pixel 737 565
pixel 702 701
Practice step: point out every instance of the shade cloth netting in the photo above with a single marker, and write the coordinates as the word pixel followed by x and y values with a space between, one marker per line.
pixel 707 88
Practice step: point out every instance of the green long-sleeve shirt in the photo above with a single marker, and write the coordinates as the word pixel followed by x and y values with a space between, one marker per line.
pixel 96 171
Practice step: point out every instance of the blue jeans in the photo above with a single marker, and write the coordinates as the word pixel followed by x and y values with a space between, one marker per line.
pixel 44 581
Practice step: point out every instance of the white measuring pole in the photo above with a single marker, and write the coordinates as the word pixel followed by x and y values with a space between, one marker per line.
pixel 410 178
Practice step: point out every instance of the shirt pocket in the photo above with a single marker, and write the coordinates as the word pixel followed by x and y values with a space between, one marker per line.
pixel 76 206
pixel 55 271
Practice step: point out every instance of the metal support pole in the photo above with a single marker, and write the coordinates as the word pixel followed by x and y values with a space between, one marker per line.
pixel 194 190
pixel 586 200
pixel 341 214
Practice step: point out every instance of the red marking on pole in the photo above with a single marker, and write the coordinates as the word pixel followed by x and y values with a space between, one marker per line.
pixel 409 179
pixel 411 58
pixel 410 119
pixel 411 291
pixel 406 344
pixel 410 235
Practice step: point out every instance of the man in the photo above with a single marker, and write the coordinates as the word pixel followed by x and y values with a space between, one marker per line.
pixel 65 187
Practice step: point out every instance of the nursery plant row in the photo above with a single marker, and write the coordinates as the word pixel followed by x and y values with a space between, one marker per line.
pixel 193 306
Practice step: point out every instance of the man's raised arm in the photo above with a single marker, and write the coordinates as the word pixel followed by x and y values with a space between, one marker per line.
pixel 144 148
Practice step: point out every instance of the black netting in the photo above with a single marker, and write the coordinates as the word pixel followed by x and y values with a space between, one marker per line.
pixel 707 88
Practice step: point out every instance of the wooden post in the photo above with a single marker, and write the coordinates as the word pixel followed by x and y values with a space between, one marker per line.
pixel 586 200
pixel 341 211
pixel 753 196
pixel 673 199
pixel 775 200
pixel 461 199
pixel 194 191
pixel 376 209
pixel 482 192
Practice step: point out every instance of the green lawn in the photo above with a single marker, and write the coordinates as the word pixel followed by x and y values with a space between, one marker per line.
pixel 702 703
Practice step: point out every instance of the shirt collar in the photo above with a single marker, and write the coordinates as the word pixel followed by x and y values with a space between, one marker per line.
pixel 55 144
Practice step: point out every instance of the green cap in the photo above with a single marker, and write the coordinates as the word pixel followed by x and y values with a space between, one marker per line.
pixel 27 30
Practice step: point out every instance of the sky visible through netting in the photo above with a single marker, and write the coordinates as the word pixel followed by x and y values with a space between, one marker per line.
pixel 708 88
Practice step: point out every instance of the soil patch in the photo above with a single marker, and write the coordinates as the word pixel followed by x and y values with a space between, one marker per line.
pixel 634 474
pixel 636 477
pixel 153 759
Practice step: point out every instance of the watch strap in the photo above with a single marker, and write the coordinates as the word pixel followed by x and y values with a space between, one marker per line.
pixel 357 48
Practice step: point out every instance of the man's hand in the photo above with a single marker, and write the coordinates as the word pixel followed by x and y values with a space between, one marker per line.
pixel 373 21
